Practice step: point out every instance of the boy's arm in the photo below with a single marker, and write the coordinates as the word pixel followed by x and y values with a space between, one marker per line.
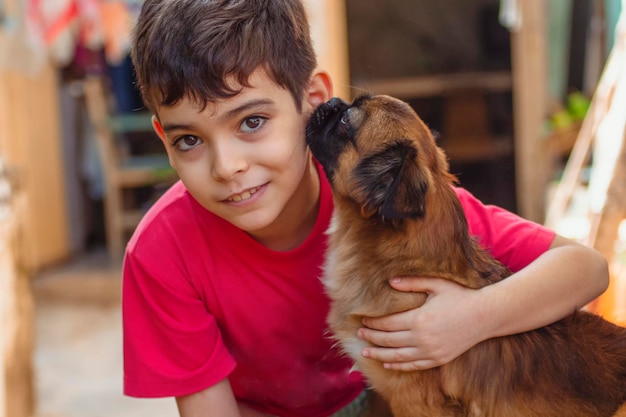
pixel 217 400
pixel 563 279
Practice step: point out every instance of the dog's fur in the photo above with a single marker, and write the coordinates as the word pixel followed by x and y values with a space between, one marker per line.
pixel 396 214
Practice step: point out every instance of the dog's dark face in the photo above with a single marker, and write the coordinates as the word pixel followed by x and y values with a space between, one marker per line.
pixel 377 153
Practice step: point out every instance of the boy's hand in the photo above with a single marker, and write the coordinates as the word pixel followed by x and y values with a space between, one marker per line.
pixel 447 325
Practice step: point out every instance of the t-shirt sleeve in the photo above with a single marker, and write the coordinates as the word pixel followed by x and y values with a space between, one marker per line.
pixel 172 344
pixel 514 241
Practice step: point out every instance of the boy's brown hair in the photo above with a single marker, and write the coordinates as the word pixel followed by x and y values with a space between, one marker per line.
pixel 193 48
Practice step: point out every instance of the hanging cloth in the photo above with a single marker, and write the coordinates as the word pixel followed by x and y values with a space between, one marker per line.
pixel 117 26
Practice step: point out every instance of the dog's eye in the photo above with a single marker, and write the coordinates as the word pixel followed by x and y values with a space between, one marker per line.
pixel 345 117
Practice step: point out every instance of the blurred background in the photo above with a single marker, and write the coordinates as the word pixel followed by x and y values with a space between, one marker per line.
pixel 526 98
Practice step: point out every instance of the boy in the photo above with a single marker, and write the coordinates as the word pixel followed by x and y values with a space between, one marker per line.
pixel 222 304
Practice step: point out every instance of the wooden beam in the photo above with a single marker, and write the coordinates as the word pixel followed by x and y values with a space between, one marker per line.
pixel 605 224
pixel 17 317
pixel 31 143
pixel 329 30
pixel 530 98
pixel 436 85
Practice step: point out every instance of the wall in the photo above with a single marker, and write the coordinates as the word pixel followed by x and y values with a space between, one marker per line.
pixel 399 38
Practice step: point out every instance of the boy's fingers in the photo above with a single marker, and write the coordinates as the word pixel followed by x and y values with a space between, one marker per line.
pixel 385 339
pixel 392 323
pixel 420 365
pixel 386 355
pixel 402 359
pixel 417 284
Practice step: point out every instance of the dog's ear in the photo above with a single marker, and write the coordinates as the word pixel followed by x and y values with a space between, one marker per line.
pixel 391 184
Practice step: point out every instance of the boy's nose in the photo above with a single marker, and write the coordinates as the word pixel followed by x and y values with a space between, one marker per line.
pixel 227 161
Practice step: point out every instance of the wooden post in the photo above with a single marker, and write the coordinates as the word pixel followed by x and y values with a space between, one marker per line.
pixel 17 318
pixel 31 142
pixel 602 236
pixel 604 225
pixel 530 98
pixel 329 31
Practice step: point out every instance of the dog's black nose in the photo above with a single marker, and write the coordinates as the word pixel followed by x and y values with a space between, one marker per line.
pixel 335 102
pixel 325 112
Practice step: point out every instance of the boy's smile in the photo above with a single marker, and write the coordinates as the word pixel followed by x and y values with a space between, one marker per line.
pixel 246 195
pixel 245 159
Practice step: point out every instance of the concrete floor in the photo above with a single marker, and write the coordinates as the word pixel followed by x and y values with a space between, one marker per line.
pixel 78 348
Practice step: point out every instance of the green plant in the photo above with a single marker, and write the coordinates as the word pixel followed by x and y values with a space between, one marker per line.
pixel 574 110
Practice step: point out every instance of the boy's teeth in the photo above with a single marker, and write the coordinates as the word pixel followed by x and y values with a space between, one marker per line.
pixel 243 196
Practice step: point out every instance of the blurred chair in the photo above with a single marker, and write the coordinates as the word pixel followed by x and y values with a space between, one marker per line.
pixel 122 171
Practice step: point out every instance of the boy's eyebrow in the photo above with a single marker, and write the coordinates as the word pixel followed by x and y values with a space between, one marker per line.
pixel 169 127
pixel 255 103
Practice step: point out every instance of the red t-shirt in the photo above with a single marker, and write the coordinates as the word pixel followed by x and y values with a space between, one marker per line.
pixel 203 301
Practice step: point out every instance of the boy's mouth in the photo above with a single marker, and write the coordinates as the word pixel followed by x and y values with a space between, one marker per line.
pixel 243 196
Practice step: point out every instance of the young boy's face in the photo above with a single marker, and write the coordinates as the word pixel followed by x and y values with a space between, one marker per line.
pixel 245 158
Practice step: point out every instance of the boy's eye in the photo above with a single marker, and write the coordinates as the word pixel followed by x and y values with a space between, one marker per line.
pixel 187 142
pixel 252 123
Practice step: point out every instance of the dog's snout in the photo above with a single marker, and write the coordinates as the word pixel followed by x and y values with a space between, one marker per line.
pixel 332 107
pixel 325 111
pixel 336 102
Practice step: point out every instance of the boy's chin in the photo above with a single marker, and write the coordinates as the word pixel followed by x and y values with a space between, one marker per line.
pixel 256 224
pixel 266 231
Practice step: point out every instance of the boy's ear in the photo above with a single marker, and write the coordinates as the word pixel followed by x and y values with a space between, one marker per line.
pixel 320 88
pixel 158 129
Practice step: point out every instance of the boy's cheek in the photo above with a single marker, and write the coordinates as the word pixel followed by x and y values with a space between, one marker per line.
pixel 171 160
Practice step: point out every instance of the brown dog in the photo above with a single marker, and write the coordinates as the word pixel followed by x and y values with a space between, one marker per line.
pixel 396 214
